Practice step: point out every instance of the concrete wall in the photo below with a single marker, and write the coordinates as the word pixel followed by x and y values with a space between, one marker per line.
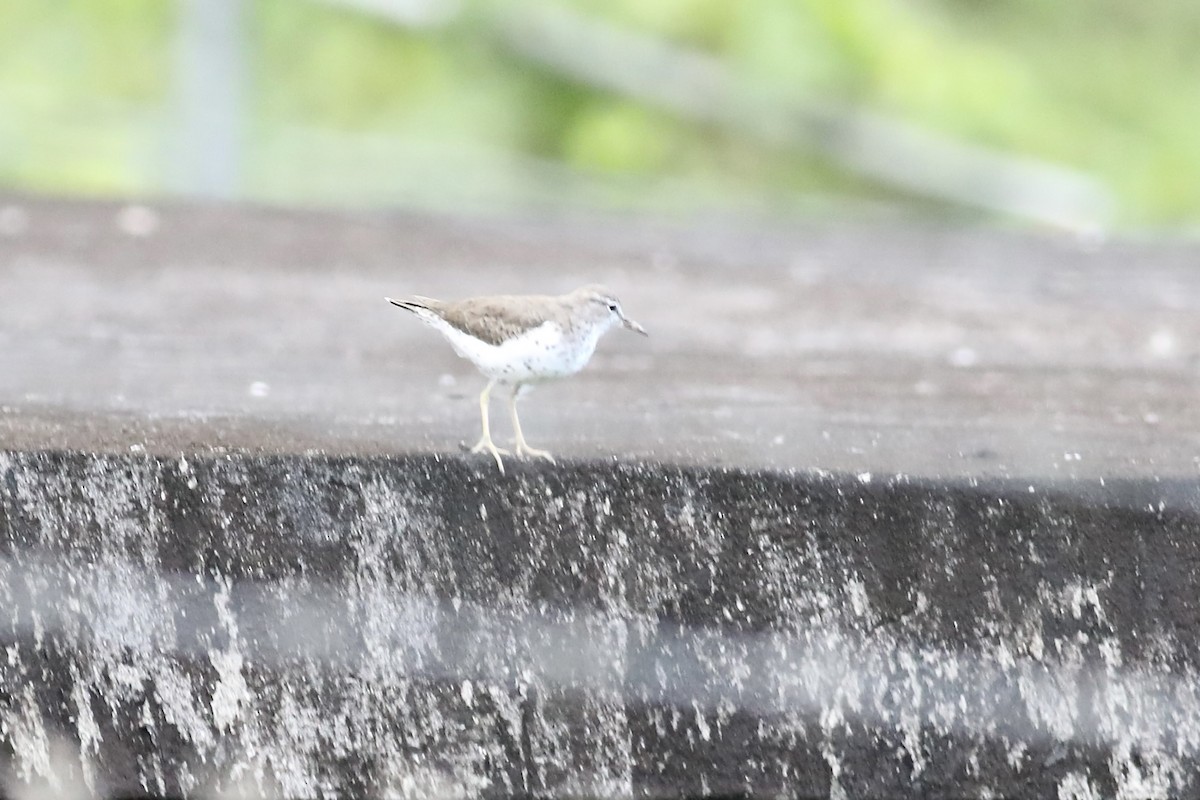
pixel 421 626
pixel 878 509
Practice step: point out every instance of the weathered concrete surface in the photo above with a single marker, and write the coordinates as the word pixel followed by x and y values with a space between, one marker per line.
pixel 874 512
pixel 877 348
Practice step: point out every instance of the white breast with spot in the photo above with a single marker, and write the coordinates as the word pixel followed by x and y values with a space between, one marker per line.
pixel 541 353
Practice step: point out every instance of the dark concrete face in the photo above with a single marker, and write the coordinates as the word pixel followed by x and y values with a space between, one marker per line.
pixel 874 512
pixel 361 624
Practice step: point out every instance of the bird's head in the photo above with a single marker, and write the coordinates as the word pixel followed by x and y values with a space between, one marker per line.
pixel 602 306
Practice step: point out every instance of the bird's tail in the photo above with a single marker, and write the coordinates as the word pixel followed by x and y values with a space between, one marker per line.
pixel 426 309
pixel 407 305
pixel 415 304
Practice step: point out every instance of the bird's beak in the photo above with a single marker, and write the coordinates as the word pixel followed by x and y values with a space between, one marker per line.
pixel 633 326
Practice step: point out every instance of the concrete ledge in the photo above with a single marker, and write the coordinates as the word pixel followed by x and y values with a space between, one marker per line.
pixel 852 347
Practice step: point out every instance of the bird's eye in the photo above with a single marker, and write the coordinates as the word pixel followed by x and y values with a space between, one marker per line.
pixel 612 306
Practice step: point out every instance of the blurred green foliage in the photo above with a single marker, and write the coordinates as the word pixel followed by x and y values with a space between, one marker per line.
pixel 82 86
pixel 342 105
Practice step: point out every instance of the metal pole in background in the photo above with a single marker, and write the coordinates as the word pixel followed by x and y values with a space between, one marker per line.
pixel 205 154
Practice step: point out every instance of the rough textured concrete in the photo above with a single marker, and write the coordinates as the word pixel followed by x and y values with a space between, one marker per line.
pixel 876 511
pixel 412 625
pixel 879 348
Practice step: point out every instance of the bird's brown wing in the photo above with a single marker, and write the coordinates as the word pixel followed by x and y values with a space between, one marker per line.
pixel 494 320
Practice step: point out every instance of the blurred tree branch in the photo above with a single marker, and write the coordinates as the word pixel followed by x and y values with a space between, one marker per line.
pixel 694 85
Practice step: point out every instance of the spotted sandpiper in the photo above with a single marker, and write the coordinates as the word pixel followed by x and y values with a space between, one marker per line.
pixel 522 340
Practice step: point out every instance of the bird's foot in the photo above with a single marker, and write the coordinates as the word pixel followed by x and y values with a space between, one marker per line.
pixel 524 450
pixel 485 444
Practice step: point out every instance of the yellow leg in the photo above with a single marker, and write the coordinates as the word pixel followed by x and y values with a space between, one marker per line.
pixel 523 448
pixel 485 442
